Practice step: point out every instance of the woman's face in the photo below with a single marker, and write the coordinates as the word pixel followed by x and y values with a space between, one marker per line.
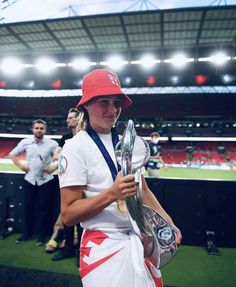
pixel 103 112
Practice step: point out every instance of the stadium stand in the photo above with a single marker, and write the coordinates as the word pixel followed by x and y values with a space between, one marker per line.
pixel 171 115
pixel 6 145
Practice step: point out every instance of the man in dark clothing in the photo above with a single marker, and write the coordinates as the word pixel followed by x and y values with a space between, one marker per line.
pixel 70 249
pixel 155 162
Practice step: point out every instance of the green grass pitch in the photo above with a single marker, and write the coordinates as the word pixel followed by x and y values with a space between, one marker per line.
pixel 185 173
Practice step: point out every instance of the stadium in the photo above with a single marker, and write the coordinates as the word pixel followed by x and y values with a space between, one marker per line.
pixel 178 65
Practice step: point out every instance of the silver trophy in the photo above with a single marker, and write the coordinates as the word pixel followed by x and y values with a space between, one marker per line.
pixel 158 237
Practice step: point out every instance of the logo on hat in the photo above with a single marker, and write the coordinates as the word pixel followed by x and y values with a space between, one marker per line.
pixel 114 80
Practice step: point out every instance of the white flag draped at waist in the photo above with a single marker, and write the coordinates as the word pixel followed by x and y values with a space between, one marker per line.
pixel 114 259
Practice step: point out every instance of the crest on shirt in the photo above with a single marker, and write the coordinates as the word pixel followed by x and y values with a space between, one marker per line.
pixel 62 165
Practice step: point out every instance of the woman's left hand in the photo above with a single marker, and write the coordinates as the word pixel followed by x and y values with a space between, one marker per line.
pixel 178 236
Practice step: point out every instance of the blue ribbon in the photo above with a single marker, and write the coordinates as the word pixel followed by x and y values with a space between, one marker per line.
pixel 115 139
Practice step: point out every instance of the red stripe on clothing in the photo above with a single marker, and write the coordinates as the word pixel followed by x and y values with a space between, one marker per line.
pixel 157 280
pixel 96 237
pixel 87 269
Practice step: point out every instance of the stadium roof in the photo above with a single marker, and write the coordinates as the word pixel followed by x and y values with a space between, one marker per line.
pixel 154 30
pixel 26 10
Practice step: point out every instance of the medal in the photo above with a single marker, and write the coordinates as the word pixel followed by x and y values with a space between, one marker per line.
pixel 121 206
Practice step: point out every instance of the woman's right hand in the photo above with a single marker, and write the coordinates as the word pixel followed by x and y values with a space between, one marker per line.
pixel 124 186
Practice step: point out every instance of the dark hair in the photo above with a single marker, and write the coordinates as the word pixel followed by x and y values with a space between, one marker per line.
pixel 154 134
pixel 74 110
pixel 39 121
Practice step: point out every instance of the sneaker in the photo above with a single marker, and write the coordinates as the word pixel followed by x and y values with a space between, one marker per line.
pixel 63 254
pixel 6 233
pixel 51 246
pixel 22 238
pixel 40 240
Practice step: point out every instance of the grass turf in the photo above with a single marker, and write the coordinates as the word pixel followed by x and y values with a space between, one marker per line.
pixel 193 173
pixel 28 255
pixel 184 173
pixel 192 266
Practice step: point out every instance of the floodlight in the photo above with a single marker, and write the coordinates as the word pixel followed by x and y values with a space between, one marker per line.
pixel 46 65
pixel 148 61
pixel 227 79
pixel 219 58
pixel 127 81
pixel 203 59
pixel 11 66
pixel 179 60
pixel 174 80
pixel 81 64
pixel 115 62
pixel 29 84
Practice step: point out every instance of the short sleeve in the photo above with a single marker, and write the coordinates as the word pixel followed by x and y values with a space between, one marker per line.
pixel 20 148
pixel 72 169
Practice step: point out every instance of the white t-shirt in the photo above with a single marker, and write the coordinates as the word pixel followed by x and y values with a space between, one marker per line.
pixel 82 163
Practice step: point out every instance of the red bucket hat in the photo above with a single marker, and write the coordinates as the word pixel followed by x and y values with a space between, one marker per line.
pixel 101 82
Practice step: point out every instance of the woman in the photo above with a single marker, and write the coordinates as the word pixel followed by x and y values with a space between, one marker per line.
pixel 111 254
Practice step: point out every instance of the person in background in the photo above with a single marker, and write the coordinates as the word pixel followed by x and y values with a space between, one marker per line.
pixel 93 192
pixel 62 231
pixel 57 238
pixel 155 162
pixel 38 189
